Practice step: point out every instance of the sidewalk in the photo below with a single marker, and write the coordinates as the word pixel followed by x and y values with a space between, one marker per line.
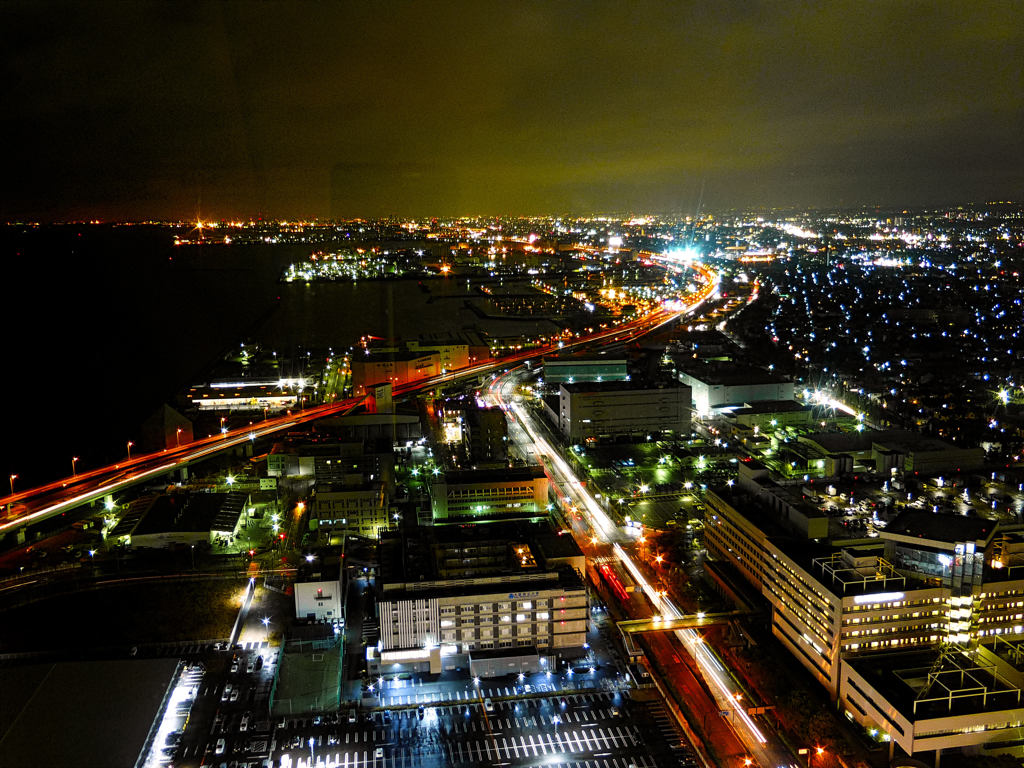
pixel 455 687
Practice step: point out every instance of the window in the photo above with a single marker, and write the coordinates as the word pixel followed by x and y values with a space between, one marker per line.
pixel 447 623
pixel 520 618
pixel 506 618
pixel 543 616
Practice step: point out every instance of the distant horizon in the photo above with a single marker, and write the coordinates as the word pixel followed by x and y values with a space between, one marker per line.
pixel 596 214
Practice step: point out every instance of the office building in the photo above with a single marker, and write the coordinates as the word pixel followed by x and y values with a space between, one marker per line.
pixel 917 601
pixel 518 492
pixel 511 593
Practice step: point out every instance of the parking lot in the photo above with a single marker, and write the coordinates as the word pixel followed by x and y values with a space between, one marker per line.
pixel 592 729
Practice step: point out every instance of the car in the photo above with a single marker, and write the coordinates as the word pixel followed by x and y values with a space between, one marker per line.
pixel 250 666
pixel 527 688
pixel 234 695
pixel 234 666
pixel 221 746
pixel 615 712
pixel 378 753
pixel 227 692
pixel 488 705
pixel 387 716
pixel 259 662
pixel 244 724
pixel 419 711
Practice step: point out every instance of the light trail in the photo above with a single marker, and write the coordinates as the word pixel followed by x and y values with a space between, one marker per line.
pixel 606 530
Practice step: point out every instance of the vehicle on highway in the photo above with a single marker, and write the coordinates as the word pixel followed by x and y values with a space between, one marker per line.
pixel 221 746
pixel 234 695
pixel 488 705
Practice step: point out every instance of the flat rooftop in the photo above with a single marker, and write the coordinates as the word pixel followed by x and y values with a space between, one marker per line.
pixel 906 677
pixel 191 512
pixel 951 529
pixel 731 374
pixel 75 714
pixel 409 557
pixel 616 386
pixel 513 474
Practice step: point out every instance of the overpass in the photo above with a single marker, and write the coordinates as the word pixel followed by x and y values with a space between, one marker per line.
pixel 37 504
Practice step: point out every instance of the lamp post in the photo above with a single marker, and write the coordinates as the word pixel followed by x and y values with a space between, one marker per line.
pixel 12 478
pixel 74 460
pixel 130 444
pixel 177 437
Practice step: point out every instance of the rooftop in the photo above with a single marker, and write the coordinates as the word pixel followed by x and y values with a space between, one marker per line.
pixel 951 529
pixel 730 374
pixel 932 683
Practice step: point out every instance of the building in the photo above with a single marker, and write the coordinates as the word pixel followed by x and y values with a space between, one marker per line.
pixel 395 368
pixel 318 594
pixel 329 460
pixel 768 415
pixel 609 410
pixel 574 369
pixel 342 508
pixel 893 449
pixel 485 437
pixel 520 492
pixel 179 520
pixel 512 593
pixel 719 385
pixel 933 585
pixel 244 396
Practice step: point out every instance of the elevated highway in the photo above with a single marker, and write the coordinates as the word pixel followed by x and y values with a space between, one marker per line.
pixel 37 504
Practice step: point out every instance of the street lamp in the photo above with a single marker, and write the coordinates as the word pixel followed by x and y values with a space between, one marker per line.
pixel 12 478
pixel 74 460
pixel 130 444
pixel 177 437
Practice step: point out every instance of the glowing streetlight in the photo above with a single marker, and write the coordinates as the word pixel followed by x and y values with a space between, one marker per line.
pixel 74 460
pixel 130 444
pixel 12 478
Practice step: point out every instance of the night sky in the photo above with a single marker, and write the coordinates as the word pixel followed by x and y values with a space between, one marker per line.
pixel 134 110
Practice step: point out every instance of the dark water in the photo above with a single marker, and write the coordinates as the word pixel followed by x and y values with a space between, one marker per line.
pixel 101 325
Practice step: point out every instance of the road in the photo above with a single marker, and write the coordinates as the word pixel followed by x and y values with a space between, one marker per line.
pixel 763 746
pixel 37 504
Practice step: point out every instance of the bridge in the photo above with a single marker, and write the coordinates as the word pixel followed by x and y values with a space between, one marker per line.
pixel 37 504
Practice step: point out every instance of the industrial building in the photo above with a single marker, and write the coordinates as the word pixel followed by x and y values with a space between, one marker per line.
pixel 318 594
pixel 719 385
pixel 936 586
pixel 609 410
pixel 175 520
pixel 575 369
pixel 511 593
pixel 395 368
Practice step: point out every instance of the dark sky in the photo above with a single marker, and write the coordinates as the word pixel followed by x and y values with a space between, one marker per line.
pixel 166 109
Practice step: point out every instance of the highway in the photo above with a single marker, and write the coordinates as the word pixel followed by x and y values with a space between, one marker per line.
pixel 765 749
pixel 37 504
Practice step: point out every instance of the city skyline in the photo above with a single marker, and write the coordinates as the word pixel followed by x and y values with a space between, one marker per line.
pixel 222 111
